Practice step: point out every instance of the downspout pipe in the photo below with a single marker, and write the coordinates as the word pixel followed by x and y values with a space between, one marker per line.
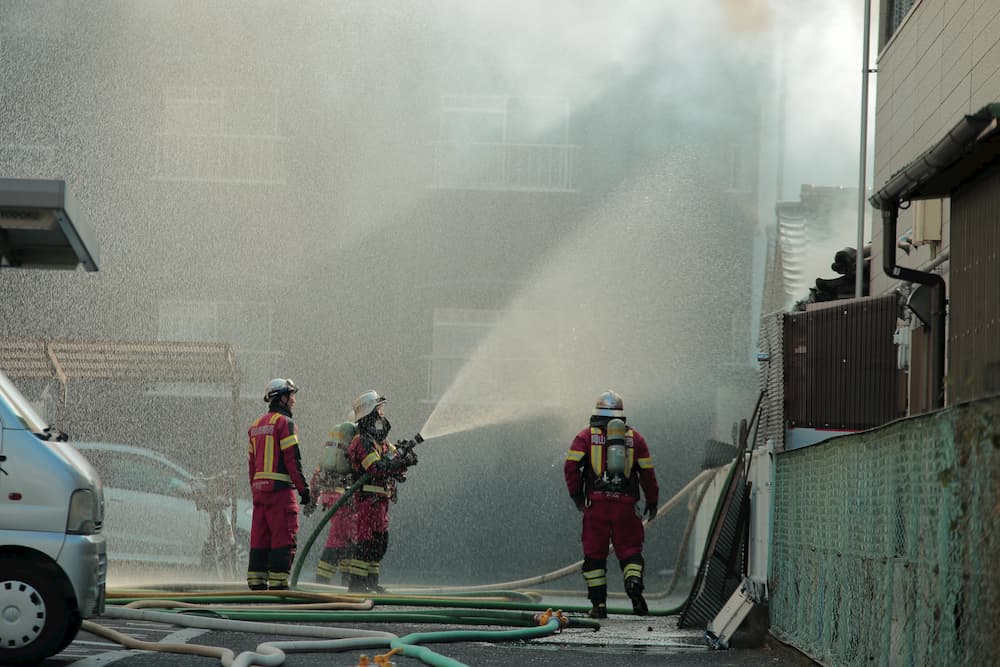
pixel 890 216
pixel 917 181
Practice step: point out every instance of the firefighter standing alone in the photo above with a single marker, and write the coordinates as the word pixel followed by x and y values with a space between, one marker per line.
pixel 605 468
pixel 275 469
pixel 371 452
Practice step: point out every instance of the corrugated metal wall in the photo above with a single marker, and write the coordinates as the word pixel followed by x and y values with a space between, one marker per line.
pixel 974 305
pixel 840 365
pixel 771 423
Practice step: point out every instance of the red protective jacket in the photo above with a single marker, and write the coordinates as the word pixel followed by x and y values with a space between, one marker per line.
pixel 365 456
pixel 273 461
pixel 586 462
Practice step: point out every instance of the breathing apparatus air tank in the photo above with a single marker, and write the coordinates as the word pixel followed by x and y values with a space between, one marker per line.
pixel 615 443
pixel 335 452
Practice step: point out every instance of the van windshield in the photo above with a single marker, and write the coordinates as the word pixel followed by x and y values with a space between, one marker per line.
pixel 29 418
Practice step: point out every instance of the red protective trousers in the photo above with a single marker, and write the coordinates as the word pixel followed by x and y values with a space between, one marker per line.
pixel 275 520
pixel 372 516
pixel 343 523
pixel 611 521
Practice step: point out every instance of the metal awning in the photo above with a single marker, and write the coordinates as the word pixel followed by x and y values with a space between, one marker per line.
pixel 961 153
pixel 122 361
pixel 40 227
pixel 152 361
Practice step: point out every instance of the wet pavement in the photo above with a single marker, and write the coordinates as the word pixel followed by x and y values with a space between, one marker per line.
pixel 620 641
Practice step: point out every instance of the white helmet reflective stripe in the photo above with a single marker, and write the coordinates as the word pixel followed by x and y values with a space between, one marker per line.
pixel 609 404
pixel 366 403
pixel 277 387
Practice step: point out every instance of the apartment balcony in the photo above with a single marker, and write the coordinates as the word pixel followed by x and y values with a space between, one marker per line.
pixel 504 166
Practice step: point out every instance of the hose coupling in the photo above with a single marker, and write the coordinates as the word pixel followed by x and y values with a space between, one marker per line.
pixel 544 617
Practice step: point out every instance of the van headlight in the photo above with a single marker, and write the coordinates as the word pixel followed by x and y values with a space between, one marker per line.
pixel 84 513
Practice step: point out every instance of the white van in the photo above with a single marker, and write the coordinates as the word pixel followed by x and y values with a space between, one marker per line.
pixel 53 559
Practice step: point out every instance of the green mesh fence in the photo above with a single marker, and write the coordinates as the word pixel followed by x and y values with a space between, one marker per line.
pixel 886 544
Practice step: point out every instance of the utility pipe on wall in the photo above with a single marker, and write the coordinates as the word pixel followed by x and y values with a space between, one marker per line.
pixel 859 274
pixel 890 216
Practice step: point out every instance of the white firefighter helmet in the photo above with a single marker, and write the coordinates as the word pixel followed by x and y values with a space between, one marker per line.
pixel 609 404
pixel 366 403
pixel 277 387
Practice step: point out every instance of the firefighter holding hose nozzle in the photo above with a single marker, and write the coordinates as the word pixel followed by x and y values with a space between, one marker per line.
pixel 275 469
pixel 606 466
pixel 371 452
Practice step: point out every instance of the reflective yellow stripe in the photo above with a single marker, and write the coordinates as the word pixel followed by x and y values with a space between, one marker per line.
pixel 596 450
pixel 268 452
pixel 380 490
pixel 596 578
pixel 272 475
pixel 369 460
pixel 574 455
pixel 597 459
pixel 632 570
pixel 355 566
pixel 289 441
pixel 373 567
pixel 646 463
pixel 629 461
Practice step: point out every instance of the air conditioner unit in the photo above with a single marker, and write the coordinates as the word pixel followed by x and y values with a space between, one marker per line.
pixel 927 214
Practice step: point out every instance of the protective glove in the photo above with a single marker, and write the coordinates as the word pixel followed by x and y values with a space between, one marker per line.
pixel 581 502
pixel 304 498
pixel 649 511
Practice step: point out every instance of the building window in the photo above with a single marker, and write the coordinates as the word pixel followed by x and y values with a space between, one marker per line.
pixel 246 326
pixel 220 136
pixel 497 142
pixel 894 13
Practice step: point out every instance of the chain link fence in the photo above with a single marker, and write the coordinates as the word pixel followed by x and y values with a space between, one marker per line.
pixel 884 543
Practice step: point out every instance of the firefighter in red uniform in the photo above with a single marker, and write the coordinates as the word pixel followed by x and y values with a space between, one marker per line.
pixel 332 477
pixel 605 467
pixel 371 452
pixel 275 469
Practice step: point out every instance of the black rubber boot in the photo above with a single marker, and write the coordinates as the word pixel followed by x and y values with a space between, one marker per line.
pixel 633 588
pixel 357 583
pixel 599 610
pixel 372 584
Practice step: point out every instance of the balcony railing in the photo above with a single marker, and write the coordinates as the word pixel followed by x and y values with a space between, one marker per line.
pixel 504 166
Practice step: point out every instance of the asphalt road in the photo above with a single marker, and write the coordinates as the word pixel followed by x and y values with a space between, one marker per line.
pixel 621 641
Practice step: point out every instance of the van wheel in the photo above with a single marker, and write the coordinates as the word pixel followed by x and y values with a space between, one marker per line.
pixel 34 613
pixel 72 630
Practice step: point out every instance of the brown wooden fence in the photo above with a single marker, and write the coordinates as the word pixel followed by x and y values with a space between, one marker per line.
pixel 840 368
